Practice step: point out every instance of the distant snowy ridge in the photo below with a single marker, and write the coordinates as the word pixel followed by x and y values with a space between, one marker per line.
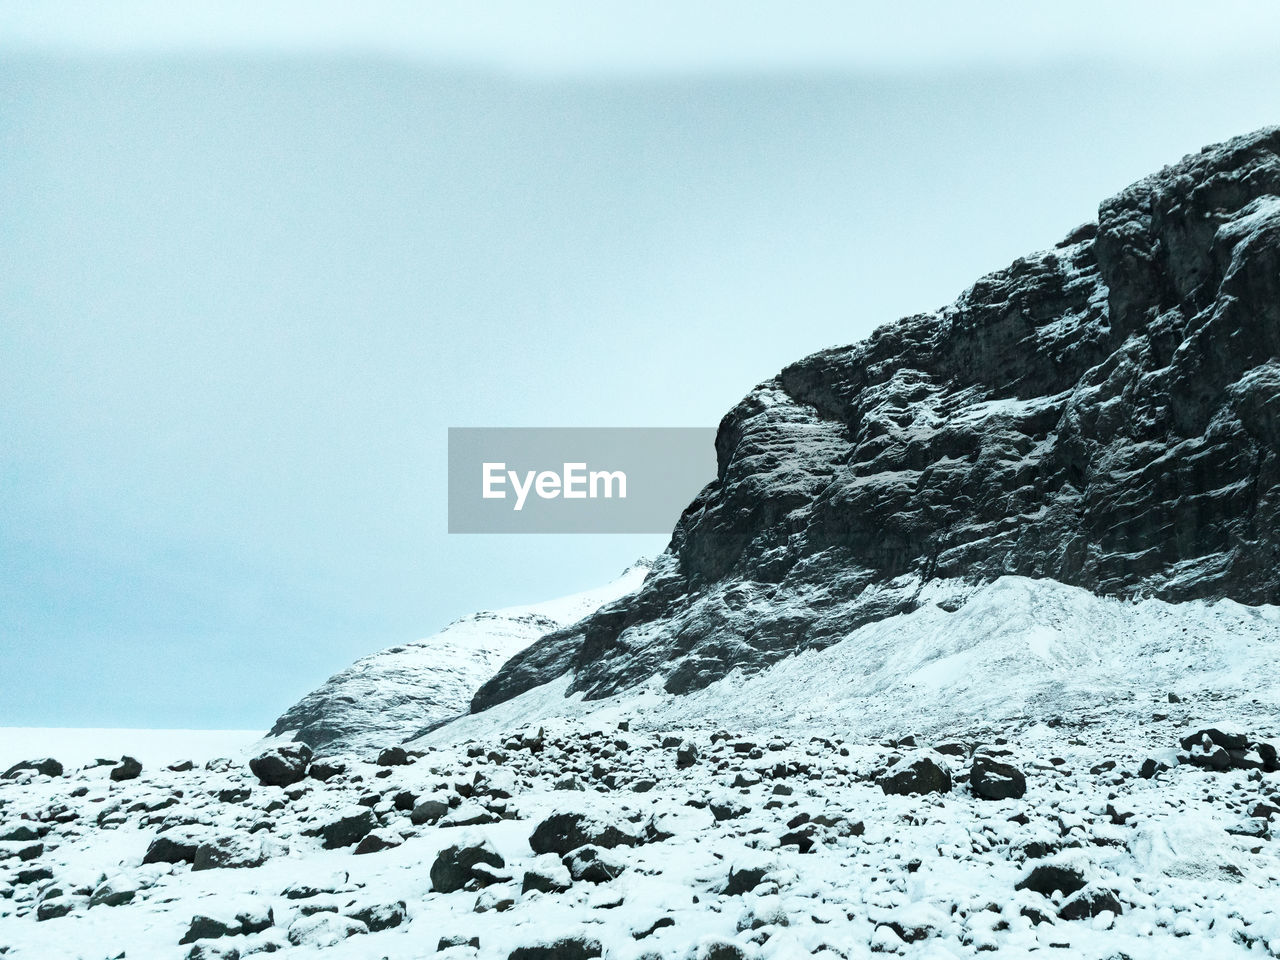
pixel 1015 651
pixel 390 696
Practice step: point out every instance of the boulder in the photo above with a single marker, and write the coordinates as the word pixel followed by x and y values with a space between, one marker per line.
pixel 46 766
pixel 455 865
pixel 323 930
pixel 379 916
pixel 127 769
pixel 593 865
pixel 563 832
pixel 728 808
pixel 468 814
pixel 743 880
pixel 31 851
pixel 176 845
pixel 393 757
pixel 547 874
pixel 115 891
pixel 230 852
pixel 686 755
pixel 32 875
pixel 1048 878
pixel 221 950
pixel 992 780
pixel 917 773
pixel 444 943
pixel 1226 737
pixel 54 907
pixel 1089 902
pixel 564 948
pixel 315 886
pixel 378 840
pixel 325 770
pixel 349 826
pixel 719 948
pixel 232 921
pixel 281 766
pixel 428 811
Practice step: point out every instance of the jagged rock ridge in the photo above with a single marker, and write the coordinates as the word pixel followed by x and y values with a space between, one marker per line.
pixel 398 693
pixel 1106 414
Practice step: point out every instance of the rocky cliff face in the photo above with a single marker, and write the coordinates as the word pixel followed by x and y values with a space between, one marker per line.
pixel 1106 414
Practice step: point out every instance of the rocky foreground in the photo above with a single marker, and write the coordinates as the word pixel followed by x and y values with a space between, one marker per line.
pixel 1064 837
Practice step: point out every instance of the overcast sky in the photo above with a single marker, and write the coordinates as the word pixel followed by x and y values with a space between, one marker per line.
pixel 256 264
pixel 575 36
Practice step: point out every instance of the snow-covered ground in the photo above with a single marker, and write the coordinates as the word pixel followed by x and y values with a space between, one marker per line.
pixel 747 820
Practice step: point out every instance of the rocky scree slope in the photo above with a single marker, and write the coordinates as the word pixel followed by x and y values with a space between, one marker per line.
pixel 400 692
pixel 1083 838
pixel 1105 414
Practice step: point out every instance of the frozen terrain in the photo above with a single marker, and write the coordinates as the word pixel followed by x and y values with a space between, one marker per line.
pixel 1015 651
pixel 757 818
pixel 396 693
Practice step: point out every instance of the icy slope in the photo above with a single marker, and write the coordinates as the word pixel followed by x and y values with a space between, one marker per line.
pixel 1016 650
pixel 387 697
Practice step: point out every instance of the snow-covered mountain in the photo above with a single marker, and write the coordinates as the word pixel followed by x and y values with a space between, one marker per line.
pixel 397 693
pixel 968 660
pixel 972 646
pixel 1105 414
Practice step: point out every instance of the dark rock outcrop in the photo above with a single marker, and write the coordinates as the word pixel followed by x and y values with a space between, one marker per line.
pixel 1106 414
pixel 229 852
pixel 593 865
pixel 1216 749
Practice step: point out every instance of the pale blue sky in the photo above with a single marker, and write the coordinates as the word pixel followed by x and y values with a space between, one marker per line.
pixel 255 266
